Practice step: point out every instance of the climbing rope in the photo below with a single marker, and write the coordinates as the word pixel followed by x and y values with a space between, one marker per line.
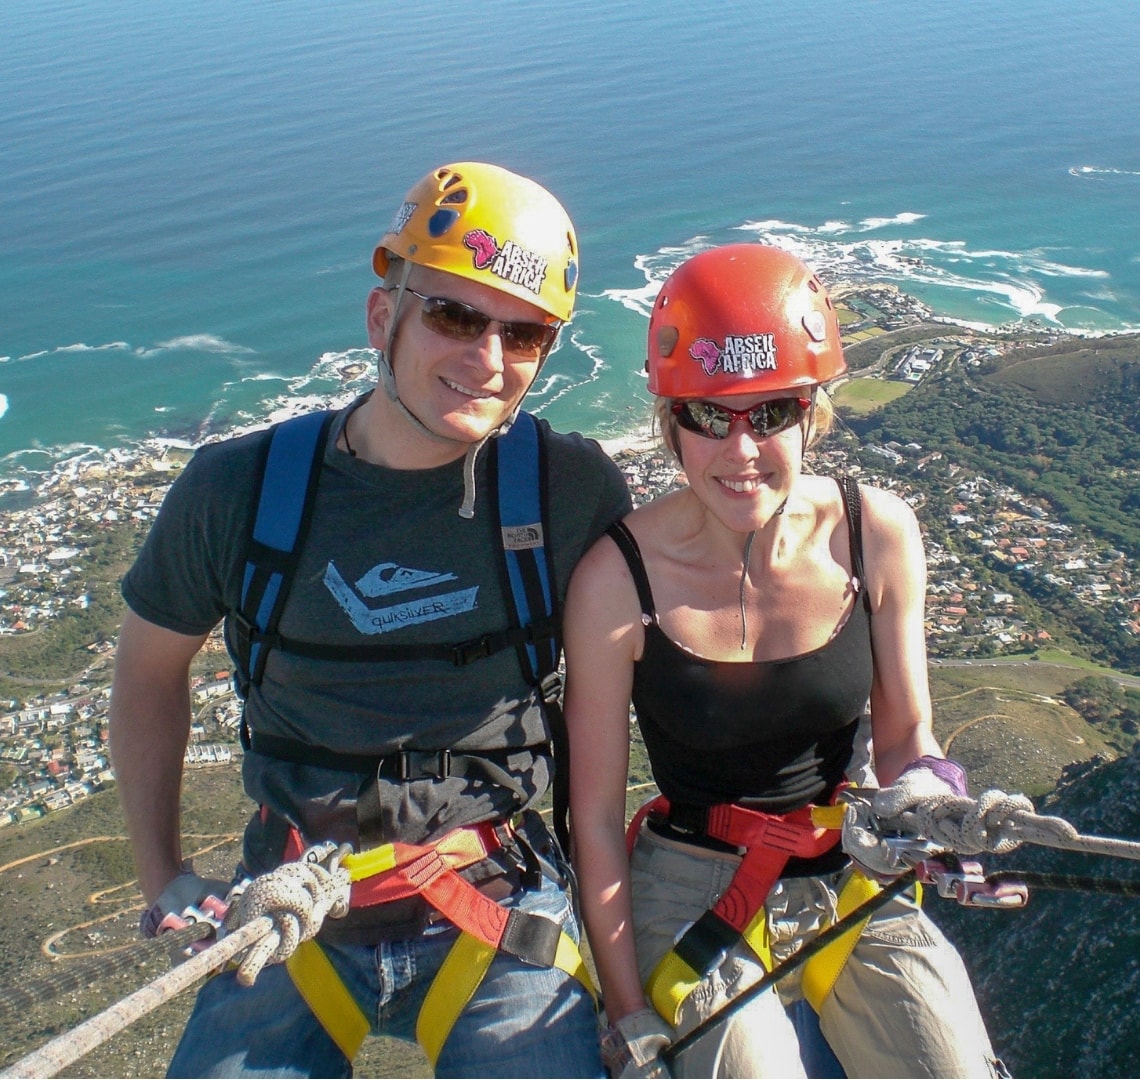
pixel 1071 882
pixel 298 897
pixel 72 1045
pixel 995 822
pixel 80 975
pixel 269 916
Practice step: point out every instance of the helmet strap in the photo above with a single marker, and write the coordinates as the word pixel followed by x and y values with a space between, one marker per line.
pixel 385 365
pixel 808 426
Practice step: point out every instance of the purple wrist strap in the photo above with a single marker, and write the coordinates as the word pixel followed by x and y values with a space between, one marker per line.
pixel 949 772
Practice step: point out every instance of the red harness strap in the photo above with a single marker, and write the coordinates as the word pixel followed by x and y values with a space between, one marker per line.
pixel 768 840
pixel 397 870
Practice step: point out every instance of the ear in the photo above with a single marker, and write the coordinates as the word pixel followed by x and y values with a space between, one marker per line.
pixel 378 313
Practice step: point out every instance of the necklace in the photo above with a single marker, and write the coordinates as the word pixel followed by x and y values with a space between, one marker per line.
pixel 743 577
pixel 347 444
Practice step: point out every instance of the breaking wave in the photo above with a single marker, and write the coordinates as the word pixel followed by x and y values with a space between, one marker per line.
pixel 1097 172
pixel 1015 285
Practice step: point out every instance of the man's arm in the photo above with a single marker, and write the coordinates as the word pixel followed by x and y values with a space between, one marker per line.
pixel 149 728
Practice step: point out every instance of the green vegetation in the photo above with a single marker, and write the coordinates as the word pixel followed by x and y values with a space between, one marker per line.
pixel 865 354
pixel 1078 457
pixel 1111 707
pixel 863 396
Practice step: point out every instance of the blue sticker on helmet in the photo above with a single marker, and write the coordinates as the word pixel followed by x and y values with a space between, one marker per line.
pixel 441 221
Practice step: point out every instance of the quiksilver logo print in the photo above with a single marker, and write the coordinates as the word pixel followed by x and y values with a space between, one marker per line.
pixel 385 579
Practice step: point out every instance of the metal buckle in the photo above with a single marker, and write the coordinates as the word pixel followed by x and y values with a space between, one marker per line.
pixel 550 687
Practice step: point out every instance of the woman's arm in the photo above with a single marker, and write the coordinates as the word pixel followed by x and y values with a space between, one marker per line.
pixel 602 634
pixel 895 567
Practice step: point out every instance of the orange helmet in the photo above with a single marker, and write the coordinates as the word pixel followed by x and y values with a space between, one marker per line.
pixel 741 319
pixel 490 225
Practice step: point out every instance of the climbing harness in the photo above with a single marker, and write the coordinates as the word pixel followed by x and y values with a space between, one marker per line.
pixel 1002 821
pixel 767 842
pixel 851 923
pixel 395 871
pixel 996 822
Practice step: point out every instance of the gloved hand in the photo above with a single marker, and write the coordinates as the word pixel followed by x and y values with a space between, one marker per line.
pixel 186 890
pixel 923 779
pixel 630 1045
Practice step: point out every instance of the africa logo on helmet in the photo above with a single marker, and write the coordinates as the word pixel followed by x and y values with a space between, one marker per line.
pixel 511 261
pixel 741 354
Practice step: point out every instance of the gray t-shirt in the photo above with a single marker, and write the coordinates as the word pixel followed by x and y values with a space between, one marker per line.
pixel 388 559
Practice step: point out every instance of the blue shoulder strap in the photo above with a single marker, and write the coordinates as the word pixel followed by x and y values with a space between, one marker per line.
pixel 289 478
pixel 520 474
pixel 519 464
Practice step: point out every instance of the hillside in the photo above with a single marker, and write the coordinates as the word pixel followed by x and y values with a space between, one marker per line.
pixel 1060 424
pixel 1058 980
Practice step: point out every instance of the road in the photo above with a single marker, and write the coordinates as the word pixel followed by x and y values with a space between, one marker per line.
pixel 1132 682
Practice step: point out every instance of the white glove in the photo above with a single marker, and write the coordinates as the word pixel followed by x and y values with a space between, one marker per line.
pixel 630 1045
pixel 923 779
pixel 186 890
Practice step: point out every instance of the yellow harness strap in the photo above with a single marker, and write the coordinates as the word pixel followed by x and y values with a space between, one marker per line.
pixel 324 992
pixel 821 971
pixel 673 980
pixel 451 990
pixel 459 977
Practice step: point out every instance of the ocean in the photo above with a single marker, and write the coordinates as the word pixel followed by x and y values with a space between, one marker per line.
pixel 190 192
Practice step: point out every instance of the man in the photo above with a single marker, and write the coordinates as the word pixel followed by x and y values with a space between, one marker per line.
pixel 360 729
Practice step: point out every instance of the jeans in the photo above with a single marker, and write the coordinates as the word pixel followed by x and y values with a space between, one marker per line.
pixel 522 1021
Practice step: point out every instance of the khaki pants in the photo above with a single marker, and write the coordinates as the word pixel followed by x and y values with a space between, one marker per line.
pixel 902 1006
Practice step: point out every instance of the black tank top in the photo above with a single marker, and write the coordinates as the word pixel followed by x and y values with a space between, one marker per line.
pixel 775 735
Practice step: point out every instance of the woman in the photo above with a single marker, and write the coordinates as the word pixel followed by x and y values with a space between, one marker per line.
pixel 751 615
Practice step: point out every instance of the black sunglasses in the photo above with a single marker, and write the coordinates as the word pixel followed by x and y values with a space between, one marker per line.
pixel 461 322
pixel 715 421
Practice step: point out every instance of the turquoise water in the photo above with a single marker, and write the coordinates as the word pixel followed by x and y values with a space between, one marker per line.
pixel 190 194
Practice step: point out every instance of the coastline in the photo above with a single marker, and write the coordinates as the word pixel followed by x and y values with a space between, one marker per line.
pixel 872 307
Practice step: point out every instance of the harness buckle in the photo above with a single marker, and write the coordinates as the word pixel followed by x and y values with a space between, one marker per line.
pixel 467 652
pixel 410 765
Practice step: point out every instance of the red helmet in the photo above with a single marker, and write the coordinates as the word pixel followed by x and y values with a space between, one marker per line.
pixel 738 320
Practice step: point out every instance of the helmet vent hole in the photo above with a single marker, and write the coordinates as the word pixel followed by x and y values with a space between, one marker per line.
pixel 451 181
pixel 815 325
pixel 667 340
pixel 813 284
pixel 453 197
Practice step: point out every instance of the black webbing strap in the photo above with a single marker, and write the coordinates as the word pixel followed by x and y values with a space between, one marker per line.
pixel 853 503
pixel 531 937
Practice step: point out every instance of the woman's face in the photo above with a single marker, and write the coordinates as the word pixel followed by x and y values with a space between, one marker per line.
pixel 744 479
